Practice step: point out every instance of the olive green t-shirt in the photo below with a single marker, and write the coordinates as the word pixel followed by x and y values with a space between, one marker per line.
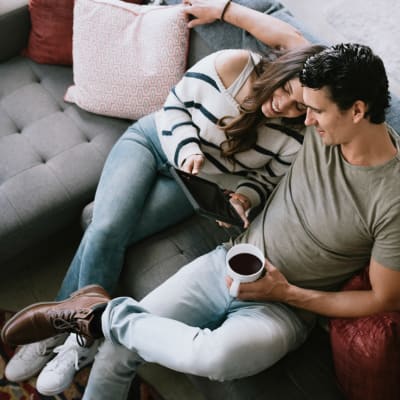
pixel 327 218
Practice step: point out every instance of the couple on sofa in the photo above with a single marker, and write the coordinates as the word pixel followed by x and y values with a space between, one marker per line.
pixel 334 211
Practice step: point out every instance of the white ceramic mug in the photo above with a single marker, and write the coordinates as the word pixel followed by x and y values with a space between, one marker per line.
pixel 244 263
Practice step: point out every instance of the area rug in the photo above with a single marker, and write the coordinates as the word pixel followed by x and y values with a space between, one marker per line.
pixel 371 22
pixel 26 390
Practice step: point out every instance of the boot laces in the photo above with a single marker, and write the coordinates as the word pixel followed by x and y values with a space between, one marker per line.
pixel 67 321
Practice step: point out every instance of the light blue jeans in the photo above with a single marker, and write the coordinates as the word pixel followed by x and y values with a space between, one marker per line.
pixel 135 198
pixel 191 324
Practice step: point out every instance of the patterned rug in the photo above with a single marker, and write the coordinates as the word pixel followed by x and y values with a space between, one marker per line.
pixel 26 390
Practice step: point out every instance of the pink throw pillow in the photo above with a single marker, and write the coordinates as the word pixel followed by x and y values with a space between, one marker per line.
pixel 126 56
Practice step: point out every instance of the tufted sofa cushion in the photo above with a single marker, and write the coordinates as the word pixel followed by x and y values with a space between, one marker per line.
pixel 51 153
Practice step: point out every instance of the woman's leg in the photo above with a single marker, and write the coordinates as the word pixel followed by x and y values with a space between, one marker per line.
pixel 191 324
pixel 132 201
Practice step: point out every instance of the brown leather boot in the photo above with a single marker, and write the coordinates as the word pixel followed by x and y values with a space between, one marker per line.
pixel 79 314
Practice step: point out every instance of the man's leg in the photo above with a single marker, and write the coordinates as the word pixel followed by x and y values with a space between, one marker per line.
pixel 191 324
pixel 252 337
pixel 186 297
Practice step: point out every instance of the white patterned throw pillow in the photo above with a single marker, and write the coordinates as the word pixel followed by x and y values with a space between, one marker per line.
pixel 126 57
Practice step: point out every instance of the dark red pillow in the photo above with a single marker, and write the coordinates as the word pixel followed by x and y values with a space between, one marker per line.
pixel 50 38
pixel 366 351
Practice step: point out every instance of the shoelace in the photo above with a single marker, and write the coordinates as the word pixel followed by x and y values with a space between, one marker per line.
pixel 60 359
pixel 68 322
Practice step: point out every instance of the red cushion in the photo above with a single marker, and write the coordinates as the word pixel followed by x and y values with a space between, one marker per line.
pixel 50 38
pixel 366 351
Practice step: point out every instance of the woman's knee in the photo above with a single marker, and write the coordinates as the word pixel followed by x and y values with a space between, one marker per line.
pixel 105 232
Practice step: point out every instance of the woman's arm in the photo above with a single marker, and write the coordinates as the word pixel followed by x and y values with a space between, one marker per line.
pixel 269 30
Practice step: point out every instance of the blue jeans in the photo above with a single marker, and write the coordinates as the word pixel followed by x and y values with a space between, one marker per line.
pixel 135 198
pixel 191 324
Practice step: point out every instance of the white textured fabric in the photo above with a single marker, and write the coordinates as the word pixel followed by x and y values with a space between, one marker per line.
pixel 126 56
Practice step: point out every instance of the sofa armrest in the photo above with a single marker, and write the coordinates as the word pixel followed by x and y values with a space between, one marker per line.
pixel 14 27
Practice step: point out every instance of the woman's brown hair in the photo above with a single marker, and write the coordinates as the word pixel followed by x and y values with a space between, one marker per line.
pixel 241 132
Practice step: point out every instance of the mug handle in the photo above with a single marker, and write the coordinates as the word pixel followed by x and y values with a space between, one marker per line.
pixel 234 289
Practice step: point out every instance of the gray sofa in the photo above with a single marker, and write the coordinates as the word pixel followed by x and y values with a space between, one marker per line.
pixel 51 156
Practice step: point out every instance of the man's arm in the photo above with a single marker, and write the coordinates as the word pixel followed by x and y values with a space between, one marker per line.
pixel 269 30
pixel 383 296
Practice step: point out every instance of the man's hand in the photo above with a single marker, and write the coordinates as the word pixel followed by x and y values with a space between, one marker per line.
pixel 204 11
pixel 271 287
pixel 383 296
pixel 193 164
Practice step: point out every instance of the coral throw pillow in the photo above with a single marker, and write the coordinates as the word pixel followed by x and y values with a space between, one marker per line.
pixel 50 38
pixel 126 56
pixel 366 351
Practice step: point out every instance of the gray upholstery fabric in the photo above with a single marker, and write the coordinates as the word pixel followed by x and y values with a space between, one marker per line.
pixel 14 27
pixel 51 153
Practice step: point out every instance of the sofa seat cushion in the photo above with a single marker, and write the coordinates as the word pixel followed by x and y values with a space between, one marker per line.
pixel 51 153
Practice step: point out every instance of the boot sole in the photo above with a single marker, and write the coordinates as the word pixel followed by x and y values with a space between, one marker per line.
pixel 86 290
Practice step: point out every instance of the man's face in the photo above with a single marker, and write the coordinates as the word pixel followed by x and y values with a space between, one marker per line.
pixel 332 124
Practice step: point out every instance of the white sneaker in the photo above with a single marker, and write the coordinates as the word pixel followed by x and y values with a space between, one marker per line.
pixel 59 373
pixel 31 358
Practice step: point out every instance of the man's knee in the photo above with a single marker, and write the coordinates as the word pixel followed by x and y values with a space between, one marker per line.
pixel 113 360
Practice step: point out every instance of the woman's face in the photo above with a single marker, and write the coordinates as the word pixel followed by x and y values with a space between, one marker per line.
pixel 286 101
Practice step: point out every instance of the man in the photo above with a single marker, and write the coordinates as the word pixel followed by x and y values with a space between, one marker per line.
pixel 335 212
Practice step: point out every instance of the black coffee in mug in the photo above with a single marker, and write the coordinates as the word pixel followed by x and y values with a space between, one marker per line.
pixel 245 264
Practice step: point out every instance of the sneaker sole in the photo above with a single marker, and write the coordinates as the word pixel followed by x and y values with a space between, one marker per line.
pixel 95 289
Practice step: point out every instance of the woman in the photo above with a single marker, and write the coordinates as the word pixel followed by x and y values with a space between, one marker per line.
pixel 234 117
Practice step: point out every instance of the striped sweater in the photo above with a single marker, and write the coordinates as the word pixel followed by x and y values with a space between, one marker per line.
pixel 187 125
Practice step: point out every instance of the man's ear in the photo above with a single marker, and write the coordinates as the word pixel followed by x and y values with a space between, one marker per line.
pixel 359 110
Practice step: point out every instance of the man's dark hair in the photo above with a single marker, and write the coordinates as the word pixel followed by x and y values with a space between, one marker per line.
pixel 350 72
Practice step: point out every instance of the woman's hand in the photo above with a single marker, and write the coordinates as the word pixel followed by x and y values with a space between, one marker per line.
pixel 241 204
pixel 193 164
pixel 270 30
pixel 204 11
pixel 271 287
